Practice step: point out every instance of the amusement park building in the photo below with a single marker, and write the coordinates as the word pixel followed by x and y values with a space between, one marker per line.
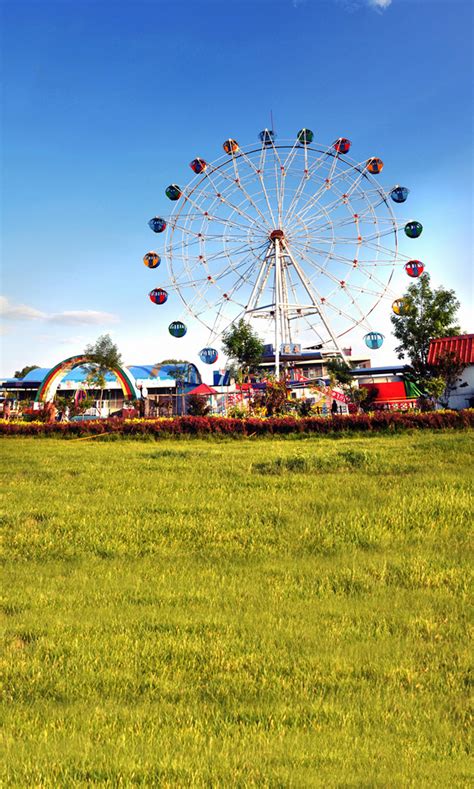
pixel 154 381
pixel 462 347
pixel 308 363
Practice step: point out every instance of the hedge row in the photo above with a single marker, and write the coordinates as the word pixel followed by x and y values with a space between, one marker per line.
pixel 201 425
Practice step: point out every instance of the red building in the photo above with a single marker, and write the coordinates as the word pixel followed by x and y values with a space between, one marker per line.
pixel 462 346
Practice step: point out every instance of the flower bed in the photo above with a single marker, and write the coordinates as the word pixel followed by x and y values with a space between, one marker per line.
pixel 204 425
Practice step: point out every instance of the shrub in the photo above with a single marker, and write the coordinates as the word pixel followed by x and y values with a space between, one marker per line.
pixel 388 421
pixel 198 405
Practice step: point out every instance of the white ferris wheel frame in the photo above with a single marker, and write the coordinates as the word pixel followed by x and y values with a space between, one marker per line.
pixel 287 236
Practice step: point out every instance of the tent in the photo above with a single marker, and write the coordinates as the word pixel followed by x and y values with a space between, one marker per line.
pixel 203 389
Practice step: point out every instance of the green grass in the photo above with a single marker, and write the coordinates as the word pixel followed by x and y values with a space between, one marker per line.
pixel 271 613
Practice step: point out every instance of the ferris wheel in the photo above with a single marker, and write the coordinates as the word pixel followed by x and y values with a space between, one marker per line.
pixel 294 234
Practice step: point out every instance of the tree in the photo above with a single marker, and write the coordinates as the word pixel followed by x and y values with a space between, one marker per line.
pixel 447 371
pixel 273 399
pixel 104 356
pixel 339 371
pixel 180 370
pixel 27 369
pixel 198 405
pixel 429 314
pixel 243 346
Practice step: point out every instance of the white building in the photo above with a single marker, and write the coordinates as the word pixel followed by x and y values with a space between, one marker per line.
pixel 462 346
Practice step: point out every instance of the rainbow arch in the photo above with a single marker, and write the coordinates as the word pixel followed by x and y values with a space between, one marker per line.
pixel 53 378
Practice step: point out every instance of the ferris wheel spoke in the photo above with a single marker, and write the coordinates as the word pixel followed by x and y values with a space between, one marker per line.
pixel 325 213
pixel 198 237
pixel 337 258
pixel 249 198
pixel 279 181
pixel 343 314
pixel 314 222
pixel 348 287
pixel 334 225
pixel 223 253
pixel 383 232
pixel 346 284
pixel 318 268
pixel 308 174
pixel 234 292
pixel 310 177
pixel 327 185
pixel 295 148
pixel 365 289
pixel 234 208
pixel 237 184
pixel 216 323
pixel 353 304
pixel 233 269
pixel 332 184
pixel 215 199
pixel 192 305
pixel 205 217
pixel 259 172
pixel 379 248
pixel 185 245
pixel 343 199
pixel 263 158
pixel 373 277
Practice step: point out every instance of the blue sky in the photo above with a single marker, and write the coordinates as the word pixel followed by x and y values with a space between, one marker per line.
pixel 105 103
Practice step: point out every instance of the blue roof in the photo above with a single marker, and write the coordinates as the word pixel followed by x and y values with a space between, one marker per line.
pixel 34 375
pixel 165 371
pixel 394 368
pixel 78 374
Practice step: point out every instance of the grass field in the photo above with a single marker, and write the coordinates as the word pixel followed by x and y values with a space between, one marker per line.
pixel 271 613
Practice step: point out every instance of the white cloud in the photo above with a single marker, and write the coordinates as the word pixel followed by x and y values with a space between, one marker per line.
pixel 19 311
pixel 82 317
pixel 69 317
pixel 352 6
pixel 380 5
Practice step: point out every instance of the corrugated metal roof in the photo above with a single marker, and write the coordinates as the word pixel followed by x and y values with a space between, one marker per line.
pixel 396 369
pixel 35 376
pixel 163 373
pixel 462 346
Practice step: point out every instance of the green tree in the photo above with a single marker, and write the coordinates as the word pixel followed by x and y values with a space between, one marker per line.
pixel 180 370
pixel 198 405
pixel 243 347
pixel 339 372
pixel 429 314
pixel 27 369
pixel 447 372
pixel 273 398
pixel 103 356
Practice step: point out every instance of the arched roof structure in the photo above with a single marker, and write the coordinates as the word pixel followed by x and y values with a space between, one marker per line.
pixel 53 378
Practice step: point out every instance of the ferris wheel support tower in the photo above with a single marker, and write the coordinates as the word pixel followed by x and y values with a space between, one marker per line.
pixel 278 262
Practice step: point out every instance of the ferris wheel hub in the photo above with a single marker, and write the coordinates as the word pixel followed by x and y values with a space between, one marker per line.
pixel 276 234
